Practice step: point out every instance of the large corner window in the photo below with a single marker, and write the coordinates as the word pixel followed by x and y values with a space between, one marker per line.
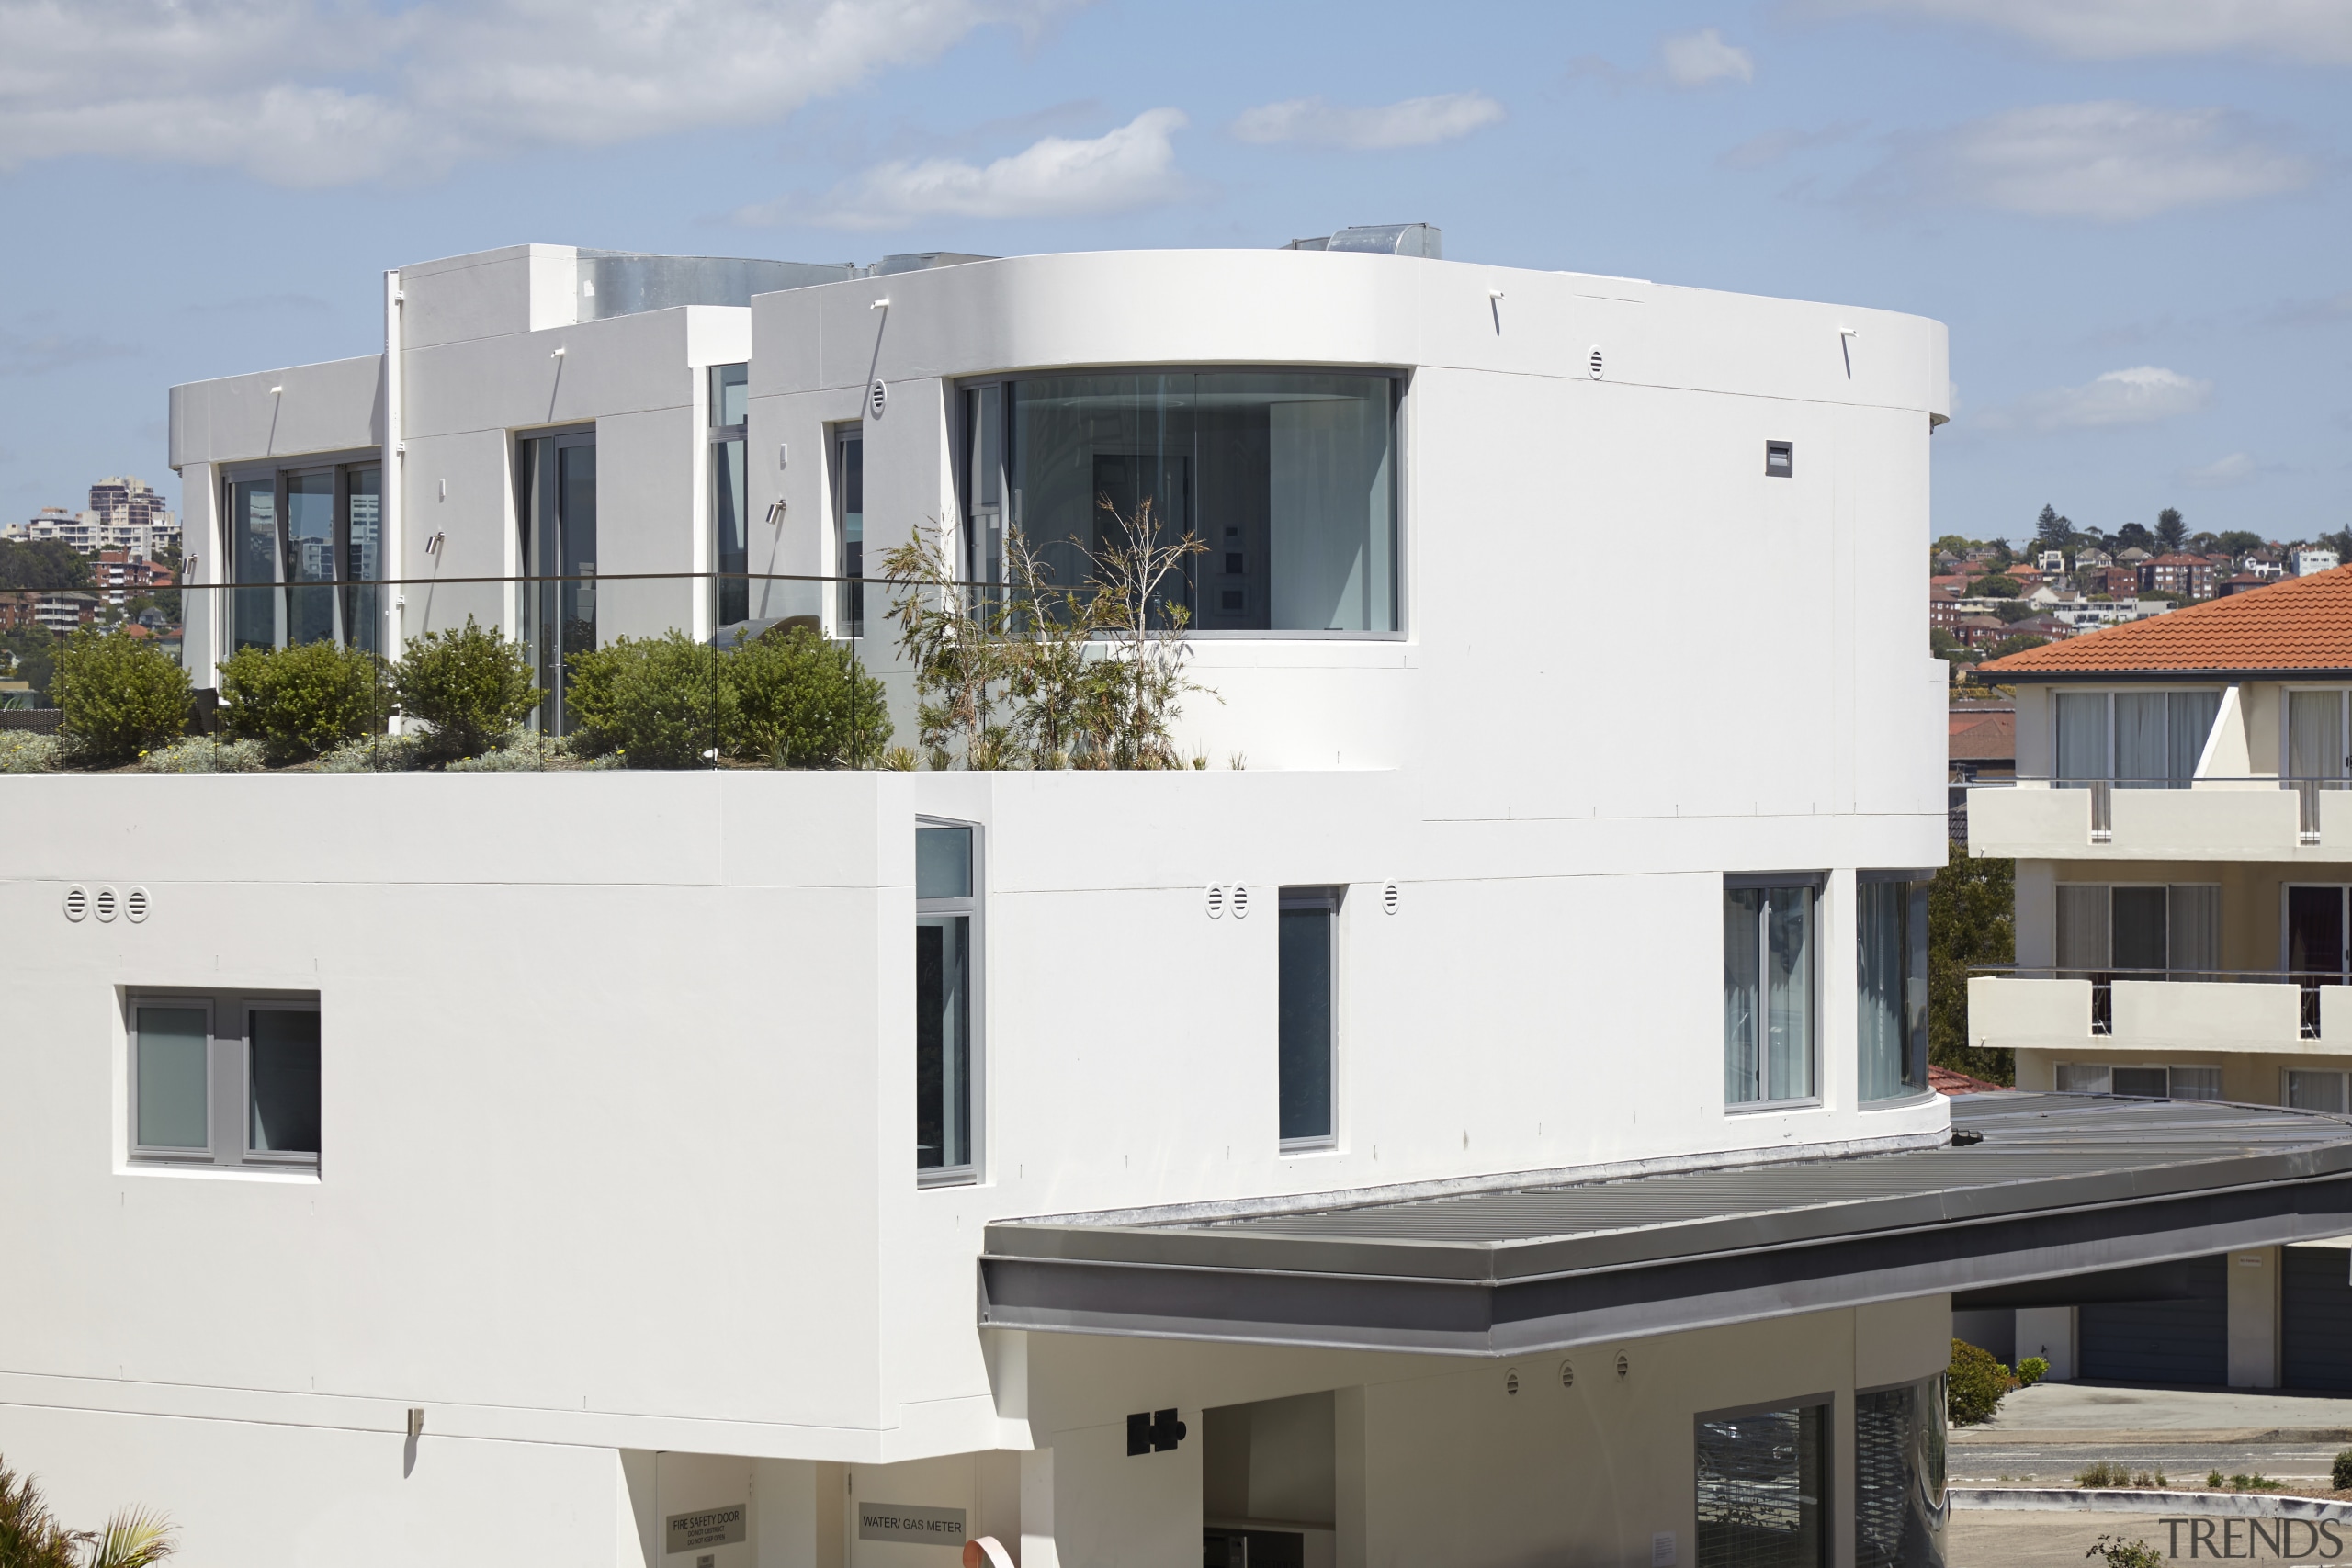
pixel 2133 739
pixel 946 959
pixel 1763 1487
pixel 1890 938
pixel 1900 1508
pixel 2158 932
pixel 1770 1023
pixel 555 507
pixel 305 551
pixel 730 540
pixel 1306 1043
pixel 224 1079
pixel 1287 479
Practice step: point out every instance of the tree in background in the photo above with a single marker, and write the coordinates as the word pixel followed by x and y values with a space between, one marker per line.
pixel 2170 530
pixel 45 564
pixel 1997 585
pixel 2237 541
pixel 2134 537
pixel 1972 921
pixel 2340 542
pixel 2051 531
pixel 2016 643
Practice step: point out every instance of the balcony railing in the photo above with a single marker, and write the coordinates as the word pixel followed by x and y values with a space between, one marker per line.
pixel 2137 985
pixel 720 670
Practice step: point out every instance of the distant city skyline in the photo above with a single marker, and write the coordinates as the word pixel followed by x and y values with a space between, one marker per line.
pixel 2129 213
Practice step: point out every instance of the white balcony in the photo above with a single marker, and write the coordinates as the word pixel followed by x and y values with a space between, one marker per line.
pixel 2252 820
pixel 2249 1015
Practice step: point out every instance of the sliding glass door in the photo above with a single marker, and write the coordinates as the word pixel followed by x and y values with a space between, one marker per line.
pixel 305 548
pixel 555 494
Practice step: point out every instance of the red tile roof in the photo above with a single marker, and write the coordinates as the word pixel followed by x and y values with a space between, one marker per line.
pixel 1982 736
pixel 1943 1080
pixel 2301 623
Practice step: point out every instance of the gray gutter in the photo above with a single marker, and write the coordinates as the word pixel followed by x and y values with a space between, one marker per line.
pixel 2061 1185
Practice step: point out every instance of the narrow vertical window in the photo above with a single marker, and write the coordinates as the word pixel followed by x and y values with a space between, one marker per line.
pixel 1304 1045
pixel 730 530
pixel 849 543
pixel 363 513
pixel 282 1077
pixel 556 491
pixel 1762 1480
pixel 2315 743
pixel 1769 1017
pixel 309 558
pixel 1899 1507
pixel 945 908
pixel 984 511
pixel 253 558
pixel 2082 738
pixel 1891 937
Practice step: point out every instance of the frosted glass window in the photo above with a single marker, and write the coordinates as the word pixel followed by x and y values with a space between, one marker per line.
pixel 1770 1023
pixel 173 1083
pixel 2196 1083
pixel 1288 478
pixel 942 863
pixel 2083 1077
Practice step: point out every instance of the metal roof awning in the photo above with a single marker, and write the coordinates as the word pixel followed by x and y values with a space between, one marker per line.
pixel 2059 1184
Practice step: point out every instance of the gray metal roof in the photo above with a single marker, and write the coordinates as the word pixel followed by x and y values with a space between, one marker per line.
pixel 2060 1184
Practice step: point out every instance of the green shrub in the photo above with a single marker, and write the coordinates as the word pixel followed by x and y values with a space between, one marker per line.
pixel 657 702
pixel 22 751
pixel 298 702
pixel 1974 1385
pixel 123 697
pixel 2117 1552
pixel 2101 1475
pixel 2031 1370
pixel 469 684
pixel 204 754
pixel 2340 1475
pixel 802 701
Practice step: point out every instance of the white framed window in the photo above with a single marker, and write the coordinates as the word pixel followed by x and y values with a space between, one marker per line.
pixel 2134 738
pixel 730 542
pixel 1307 1048
pixel 2317 1091
pixel 224 1079
pixel 2140 1081
pixel 947 966
pixel 1772 981
pixel 847 446
pixel 1891 974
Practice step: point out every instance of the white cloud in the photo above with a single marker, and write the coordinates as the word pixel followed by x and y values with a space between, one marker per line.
pixel 1416 122
pixel 2308 31
pixel 1056 175
pixel 2235 469
pixel 2111 162
pixel 2144 394
pixel 1693 60
pixel 328 92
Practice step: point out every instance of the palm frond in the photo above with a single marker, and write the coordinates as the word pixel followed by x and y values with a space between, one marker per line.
pixel 133 1537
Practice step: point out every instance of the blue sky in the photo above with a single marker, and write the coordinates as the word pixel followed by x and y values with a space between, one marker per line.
pixel 2130 212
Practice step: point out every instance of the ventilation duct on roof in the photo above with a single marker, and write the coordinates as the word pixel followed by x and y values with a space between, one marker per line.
pixel 624 283
pixel 1381 239
pixel 922 261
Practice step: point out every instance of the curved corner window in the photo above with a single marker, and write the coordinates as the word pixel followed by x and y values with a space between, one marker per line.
pixel 1287 479
pixel 1891 970
pixel 1769 1019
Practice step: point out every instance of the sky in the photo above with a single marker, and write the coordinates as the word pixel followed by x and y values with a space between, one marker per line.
pixel 2131 213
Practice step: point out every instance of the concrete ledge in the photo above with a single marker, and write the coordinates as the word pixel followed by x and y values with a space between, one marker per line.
pixel 2091 1437
pixel 2126 1500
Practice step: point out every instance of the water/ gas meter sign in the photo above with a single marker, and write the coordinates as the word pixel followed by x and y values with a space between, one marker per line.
pixel 705 1527
pixel 919 1526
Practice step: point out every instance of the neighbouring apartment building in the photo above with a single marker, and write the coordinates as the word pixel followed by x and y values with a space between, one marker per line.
pixel 1481 1116
pixel 123 515
pixel 2183 868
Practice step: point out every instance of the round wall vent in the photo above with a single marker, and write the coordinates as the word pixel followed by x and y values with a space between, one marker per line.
pixel 878 394
pixel 1510 1381
pixel 1390 897
pixel 1214 901
pixel 1240 901
pixel 1596 362
pixel 1567 1374
pixel 1624 1367
pixel 134 904
pixel 77 902
pixel 107 903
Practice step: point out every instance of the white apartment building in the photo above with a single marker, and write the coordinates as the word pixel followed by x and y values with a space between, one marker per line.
pixel 1489 1127
pixel 124 514
pixel 2181 932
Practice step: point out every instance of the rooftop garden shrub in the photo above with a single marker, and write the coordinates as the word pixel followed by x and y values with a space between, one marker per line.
pixel 802 701
pixel 123 697
pixel 654 702
pixel 2031 1370
pixel 1974 1385
pixel 300 700
pixel 469 684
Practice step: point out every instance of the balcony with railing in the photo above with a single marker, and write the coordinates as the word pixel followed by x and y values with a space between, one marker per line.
pixel 2250 817
pixel 2261 1011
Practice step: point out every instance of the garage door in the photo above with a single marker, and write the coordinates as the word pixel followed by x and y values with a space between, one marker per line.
pixel 2176 1341
pixel 2317 1314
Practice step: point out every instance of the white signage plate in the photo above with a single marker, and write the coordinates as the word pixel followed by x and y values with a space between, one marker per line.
pixel 910 1525
pixel 705 1528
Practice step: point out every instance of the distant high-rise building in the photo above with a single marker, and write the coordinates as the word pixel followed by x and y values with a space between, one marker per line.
pixel 124 514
